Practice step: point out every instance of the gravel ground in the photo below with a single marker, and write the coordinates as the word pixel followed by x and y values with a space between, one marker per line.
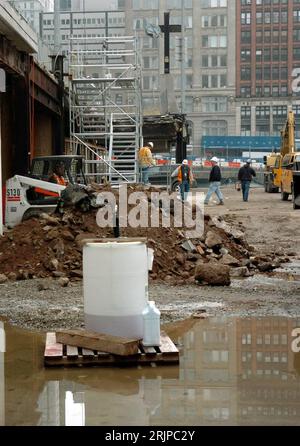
pixel 54 308
pixel 42 304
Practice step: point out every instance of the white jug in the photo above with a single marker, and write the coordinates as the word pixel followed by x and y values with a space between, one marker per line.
pixel 151 324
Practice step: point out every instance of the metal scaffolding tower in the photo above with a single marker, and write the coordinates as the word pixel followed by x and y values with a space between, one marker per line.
pixel 105 106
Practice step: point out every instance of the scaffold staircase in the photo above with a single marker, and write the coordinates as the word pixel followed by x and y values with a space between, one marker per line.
pixel 105 106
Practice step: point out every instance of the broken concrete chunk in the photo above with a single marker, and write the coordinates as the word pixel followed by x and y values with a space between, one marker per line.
pixel 229 260
pixel 213 274
pixel 213 239
pixel 3 278
pixel 51 265
pixel 12 276
pixel 224 251
pixel 188 246
pixel 63 281
pixel 265 267
pixel 76 273
pixel 239 272
pixel 180 259
pixel 50 220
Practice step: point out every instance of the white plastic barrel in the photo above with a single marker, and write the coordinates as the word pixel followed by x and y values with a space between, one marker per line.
pixel 115 275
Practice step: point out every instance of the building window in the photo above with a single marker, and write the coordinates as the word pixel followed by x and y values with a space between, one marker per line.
pixel 214 128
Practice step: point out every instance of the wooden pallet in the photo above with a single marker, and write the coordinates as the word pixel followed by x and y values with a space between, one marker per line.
pixel 60 355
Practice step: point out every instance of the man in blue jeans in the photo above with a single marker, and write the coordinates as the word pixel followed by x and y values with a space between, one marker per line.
pixel 215 178
pixel 246 174
pixel 185 178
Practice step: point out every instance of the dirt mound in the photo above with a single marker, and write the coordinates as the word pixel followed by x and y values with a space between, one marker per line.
pixel 51 246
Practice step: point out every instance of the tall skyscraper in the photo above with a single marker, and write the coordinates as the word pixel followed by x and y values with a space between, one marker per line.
pixel 268 49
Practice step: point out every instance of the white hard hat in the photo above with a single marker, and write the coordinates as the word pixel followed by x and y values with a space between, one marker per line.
pixel 151 144
pixel 249 161
pixel 215 159
pixel 185 162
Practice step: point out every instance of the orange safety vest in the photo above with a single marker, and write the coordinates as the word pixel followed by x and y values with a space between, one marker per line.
pixel 59 180
pixel 189 173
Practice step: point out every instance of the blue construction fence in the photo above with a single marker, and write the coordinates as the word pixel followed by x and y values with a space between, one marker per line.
pixel 235 148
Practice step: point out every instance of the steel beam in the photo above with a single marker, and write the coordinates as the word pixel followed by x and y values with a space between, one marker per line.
pixel 12 60
pixel 44 89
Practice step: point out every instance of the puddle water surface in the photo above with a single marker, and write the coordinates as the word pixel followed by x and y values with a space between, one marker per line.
pixel 231 372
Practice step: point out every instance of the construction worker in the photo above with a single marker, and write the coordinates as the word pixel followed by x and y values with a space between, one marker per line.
pixel 246 174
pixel 146 161
pixel 58 174
pixel 215 178
pixel 185 178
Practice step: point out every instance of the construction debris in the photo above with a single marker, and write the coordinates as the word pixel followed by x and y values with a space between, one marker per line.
pixel 51 246
pixel 213 274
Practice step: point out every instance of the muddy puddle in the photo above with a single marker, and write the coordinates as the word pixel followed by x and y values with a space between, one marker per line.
pixel 232 372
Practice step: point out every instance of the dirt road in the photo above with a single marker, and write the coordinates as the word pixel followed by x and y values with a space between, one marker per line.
pixel 269 223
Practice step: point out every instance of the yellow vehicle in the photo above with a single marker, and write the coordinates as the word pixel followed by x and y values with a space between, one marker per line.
pixel 283 177
pixel 270 162
pixel 288 167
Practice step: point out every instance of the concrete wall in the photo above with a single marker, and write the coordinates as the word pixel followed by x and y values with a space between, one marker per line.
pixel 6 126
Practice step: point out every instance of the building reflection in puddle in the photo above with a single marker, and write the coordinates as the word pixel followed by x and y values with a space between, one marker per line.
pixel 232 372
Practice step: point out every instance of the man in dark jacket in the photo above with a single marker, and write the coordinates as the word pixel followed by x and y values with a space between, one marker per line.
pixel 246 173
pixel 214 182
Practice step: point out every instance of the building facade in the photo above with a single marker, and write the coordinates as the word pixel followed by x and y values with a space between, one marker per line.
pixel 32 9
pixel 80 24
pixel 234 64
pixel 267 55
pixel 205 82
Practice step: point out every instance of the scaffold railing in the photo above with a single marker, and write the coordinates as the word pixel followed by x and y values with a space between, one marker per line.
pixel 106 106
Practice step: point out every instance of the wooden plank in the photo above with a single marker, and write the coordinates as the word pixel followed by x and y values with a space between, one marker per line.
pixel 149 350
pixel 167 346
pixel 72 352
pixel 53 349
pixel 97 341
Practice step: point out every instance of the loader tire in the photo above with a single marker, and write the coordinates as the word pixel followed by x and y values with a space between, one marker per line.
pixel 284 195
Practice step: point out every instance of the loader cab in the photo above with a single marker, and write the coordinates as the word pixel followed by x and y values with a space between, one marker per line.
pixel 43 167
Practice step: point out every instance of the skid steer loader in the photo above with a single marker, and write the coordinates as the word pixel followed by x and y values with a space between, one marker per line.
pixel 29 196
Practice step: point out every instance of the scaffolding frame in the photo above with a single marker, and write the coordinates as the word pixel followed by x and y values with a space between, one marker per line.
pixel 105 99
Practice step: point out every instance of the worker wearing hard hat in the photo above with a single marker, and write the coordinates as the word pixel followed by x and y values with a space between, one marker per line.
pixel 245 176
pixel 215 178
pixel 185 178
pixel 146 161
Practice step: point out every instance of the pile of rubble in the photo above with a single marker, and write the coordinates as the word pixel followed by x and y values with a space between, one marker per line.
pixel 51 245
